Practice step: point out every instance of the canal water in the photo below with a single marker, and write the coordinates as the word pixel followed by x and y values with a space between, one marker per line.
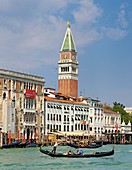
pixel 33 159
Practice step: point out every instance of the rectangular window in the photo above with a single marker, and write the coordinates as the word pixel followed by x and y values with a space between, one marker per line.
pixel 81 126
pixel 59 127
pixel 64 128
pixel 67 128
pixel 48 116
pixel 51 127
pixel 64 117
pixel 59 117
pixel 54 128
pixel 72 128
pixel 75 126
pixel 54 117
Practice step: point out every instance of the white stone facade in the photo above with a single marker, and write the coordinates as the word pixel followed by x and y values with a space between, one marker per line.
pixel 65 114
pixel 111 120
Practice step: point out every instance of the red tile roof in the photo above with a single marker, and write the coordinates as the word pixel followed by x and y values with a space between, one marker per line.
pixel 63 101
pixel 110 111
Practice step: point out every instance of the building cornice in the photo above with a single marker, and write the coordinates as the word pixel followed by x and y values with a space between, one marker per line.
pixel 20 76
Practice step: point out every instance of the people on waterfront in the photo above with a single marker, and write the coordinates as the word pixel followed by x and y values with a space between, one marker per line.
pixel 55 147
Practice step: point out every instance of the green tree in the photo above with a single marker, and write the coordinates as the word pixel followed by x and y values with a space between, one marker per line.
pixel 118 107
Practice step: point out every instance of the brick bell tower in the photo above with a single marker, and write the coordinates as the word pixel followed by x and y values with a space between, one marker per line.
pixel 68 66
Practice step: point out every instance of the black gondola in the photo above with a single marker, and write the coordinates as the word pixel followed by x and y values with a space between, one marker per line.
pixel 11 145
pixel 23 145
pixel 90 146
pixel 104 142
pixel 73 155
pixel 19 145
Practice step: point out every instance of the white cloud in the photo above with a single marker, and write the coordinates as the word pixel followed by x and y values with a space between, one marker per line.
pixel 114 33
pixel 32 31
pixel 34 40
pixel 87 37
pixel 121 17
pixel 87 13
pixel 32 5
pixel 33 44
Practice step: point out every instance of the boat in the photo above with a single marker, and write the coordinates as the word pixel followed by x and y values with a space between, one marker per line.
pixel 90 146
pixel 73 155
pixel 23 145
pixel 104 142
pixel 19 145
pixel 7 146
pixel 11 145
pixel 31 145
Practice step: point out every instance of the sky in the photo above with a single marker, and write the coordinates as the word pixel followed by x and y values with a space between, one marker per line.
pixel 32 32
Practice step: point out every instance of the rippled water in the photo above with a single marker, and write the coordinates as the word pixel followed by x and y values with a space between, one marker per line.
pixel 33 159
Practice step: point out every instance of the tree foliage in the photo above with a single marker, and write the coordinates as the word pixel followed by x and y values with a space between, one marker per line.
pixel 118 107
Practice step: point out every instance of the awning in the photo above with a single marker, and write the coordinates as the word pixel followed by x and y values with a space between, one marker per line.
pixel 75 133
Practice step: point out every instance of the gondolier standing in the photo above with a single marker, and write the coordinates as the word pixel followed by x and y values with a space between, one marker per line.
pixel 54 148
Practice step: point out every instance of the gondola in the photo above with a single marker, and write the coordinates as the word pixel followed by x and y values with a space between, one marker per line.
pixel 90 146
pixel 23 145
pixel 11 145
pixel 7 146
pixel 31 145
pixel 73 155
pixel 103 142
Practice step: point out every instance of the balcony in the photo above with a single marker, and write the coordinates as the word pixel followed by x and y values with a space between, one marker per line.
pixel 29 110
pixel 29 124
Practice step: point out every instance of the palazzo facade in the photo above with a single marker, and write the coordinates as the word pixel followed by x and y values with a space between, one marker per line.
pixel 21 106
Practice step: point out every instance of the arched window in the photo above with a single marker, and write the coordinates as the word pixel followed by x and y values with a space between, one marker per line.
pixel 4 95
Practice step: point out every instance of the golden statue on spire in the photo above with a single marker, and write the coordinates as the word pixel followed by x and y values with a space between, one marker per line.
pixel 68 23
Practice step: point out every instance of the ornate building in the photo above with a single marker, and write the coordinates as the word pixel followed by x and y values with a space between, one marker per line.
pixel 21 106
pixel 78 117
pixel 65 114
pixel 68 66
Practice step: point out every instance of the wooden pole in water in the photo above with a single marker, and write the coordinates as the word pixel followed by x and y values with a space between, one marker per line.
pixel 18 133
pixel 0 138
pixel 9 137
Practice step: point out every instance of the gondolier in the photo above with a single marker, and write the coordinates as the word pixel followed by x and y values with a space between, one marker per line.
pixel 55 146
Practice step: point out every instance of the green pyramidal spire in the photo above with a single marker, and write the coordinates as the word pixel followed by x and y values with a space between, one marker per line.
pixel 68 42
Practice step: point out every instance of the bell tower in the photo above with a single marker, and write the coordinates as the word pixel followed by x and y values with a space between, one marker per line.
pixel 68 66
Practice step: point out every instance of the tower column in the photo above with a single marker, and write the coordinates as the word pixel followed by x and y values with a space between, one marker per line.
pixel 68 66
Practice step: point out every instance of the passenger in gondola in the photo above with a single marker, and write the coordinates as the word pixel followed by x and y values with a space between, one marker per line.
pixel 79 152
pixel 69 152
